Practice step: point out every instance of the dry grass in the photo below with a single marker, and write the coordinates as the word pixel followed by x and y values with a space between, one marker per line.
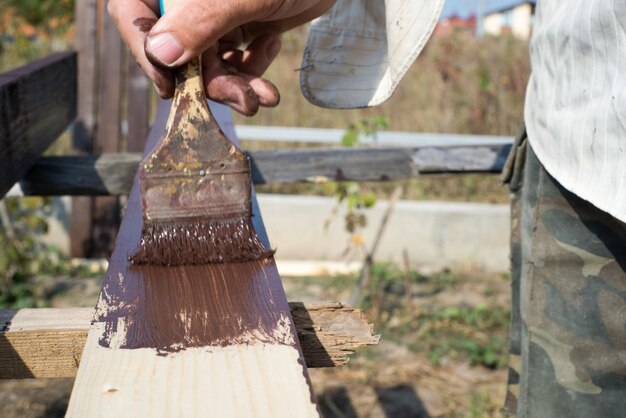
pixel 459 84
pixel 442 351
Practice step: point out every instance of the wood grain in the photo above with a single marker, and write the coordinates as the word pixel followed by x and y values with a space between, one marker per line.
pixel 42 342
pixel 330 332
pixel 49 342
pixel 254 366
pixel 372 164
pixel 138 93
pixel 86 45
pixel 37 103
pixel 106 210
pixel 113 173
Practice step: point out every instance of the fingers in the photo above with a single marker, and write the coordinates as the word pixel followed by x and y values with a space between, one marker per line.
pixel 242 92
pixel 189 27
pixel 267 93
pixel 257 57
pixel 134 20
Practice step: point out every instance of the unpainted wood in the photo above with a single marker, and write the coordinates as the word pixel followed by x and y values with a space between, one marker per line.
pixel 263 377
pixel 49 342
pixel 113 173
pixel 42 342
pixel 37 103
pixel 330 332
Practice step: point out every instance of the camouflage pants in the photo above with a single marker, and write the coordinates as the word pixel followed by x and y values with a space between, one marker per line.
pixel 568 334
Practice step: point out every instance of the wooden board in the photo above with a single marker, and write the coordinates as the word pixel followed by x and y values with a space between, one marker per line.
pixel 37 103
pixel 113 173
pixel 373 164
pixel 49 342
pixel 212 340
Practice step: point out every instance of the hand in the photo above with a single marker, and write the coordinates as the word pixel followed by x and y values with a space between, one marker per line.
pixel 214 29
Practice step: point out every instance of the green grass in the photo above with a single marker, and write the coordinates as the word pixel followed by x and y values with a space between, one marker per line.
pixel 468 331
pixel 477 334
pixel 480 406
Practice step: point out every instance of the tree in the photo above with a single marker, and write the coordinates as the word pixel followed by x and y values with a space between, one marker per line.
pixel 48 15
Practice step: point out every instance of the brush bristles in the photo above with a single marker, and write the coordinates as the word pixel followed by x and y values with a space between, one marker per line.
pixel 199 242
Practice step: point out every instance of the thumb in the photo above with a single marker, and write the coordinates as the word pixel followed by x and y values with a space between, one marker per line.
pixel 190 27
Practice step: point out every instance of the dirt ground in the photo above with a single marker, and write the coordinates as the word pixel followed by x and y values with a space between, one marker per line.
pixel 435 359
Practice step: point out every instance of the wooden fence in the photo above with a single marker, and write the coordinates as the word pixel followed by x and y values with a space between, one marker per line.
pixel 92 91
pixel 112 89
pixel 37 103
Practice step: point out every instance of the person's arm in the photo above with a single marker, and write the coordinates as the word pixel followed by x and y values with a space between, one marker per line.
pixel 215 29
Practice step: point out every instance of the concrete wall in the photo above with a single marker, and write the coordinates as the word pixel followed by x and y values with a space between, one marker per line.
pixel 434 234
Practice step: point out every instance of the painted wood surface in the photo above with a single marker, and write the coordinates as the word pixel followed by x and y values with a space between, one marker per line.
pixel 37 103
pixel 113 173
pixel 38 343
pixel 213 340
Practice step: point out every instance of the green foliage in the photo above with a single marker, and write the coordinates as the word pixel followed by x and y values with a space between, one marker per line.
pixel 386 284
pixel 350 193
pixel 49 15
pixel 367 127
pixel 476 333
pixel 356 202
pixel 49 21
pixel 454 328
pixel 23 257
pixel 480 406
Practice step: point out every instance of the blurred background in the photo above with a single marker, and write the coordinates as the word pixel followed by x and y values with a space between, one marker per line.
pixel 438 288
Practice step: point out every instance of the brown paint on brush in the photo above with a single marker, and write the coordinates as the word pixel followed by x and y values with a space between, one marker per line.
pixel 173 308
pixel 200 242
pixel 195 189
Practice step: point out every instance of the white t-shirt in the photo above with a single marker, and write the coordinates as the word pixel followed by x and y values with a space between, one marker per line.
pixel 576 99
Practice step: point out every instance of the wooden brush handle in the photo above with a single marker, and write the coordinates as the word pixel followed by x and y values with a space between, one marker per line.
pixel 188 76
pixel 190 90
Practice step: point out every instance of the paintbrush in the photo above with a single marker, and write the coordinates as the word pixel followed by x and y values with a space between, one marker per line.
pixel 196 188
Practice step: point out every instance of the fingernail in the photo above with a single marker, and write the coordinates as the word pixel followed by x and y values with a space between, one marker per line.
pixel 164 48
pixel 272 49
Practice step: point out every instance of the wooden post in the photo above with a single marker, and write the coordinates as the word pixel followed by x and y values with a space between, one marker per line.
pixel 106 210
pixel 86 44
pixel 138 111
